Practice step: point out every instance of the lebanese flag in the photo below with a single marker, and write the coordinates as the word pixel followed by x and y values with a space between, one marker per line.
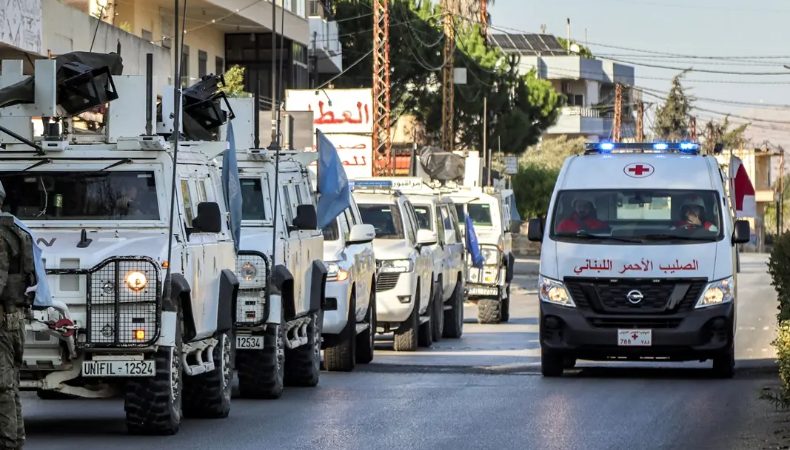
pixel 742 189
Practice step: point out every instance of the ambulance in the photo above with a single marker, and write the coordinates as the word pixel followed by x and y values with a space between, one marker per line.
pixel 638 258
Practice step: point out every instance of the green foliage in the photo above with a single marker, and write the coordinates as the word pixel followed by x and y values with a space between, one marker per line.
pixel 770 208
pixel 721 133
pixel 533 186
pixel 552 153
pixel 125 26
pixel 779 269
pixel 781 399
pixel 671 123
pixel 584 52
pixel 520 108
pixel 234 82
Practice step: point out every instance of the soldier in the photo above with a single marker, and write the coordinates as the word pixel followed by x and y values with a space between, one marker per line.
pixel 17 287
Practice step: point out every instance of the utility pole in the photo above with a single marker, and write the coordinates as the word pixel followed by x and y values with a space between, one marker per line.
pixel 382 144
pixel 448 88
pixel 483 158
pixel 618 113
pixel 275 145
pixel 640 122
pixel 314 73
pixel 693 128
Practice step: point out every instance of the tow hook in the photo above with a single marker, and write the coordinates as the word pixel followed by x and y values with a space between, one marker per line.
pixel 63 326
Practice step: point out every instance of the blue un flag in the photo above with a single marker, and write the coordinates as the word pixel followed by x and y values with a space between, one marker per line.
pixel 472 245
pixel 231 186
pixel 335 194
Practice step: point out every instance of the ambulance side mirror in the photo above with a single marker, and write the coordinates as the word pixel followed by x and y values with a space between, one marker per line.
pixel 742 233
pixel 535 233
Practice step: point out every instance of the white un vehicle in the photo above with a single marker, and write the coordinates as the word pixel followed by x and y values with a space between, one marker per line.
pixel 404 284
pixel 350 307
pixel 638 261
pixel 99 206
pixel 278 332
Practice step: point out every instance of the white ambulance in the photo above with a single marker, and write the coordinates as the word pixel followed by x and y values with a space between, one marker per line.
pixel 638 258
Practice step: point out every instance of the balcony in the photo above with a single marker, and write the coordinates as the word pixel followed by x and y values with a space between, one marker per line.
pixel 586 121
pixel 324 38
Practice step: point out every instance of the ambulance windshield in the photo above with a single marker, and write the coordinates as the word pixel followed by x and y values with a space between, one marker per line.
pixel 127 195
pixel 638 214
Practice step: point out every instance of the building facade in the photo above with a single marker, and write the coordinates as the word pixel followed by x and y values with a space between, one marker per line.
pixel 589 85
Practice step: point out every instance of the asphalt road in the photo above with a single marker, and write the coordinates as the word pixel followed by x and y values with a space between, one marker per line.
pixel 480 392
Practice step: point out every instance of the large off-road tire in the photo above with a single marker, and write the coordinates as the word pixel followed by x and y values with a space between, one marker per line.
pixel 207 396
pixel 505 308
pixel 366 340
pixel 437 316
pixel 425 335
pixel 262 372
pixel 454 318
pixel 303 364
pixel 724 365
pixel 489 311
pixel 341 357
pixel 153 404
pixel 406 334
pixel 551 365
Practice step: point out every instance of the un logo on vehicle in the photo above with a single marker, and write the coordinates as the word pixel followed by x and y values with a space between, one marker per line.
pixel 634 297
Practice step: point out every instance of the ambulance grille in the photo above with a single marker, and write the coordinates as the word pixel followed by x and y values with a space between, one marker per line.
pixel 610 296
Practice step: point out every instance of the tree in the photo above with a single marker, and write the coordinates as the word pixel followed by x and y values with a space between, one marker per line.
pixel 671 122
pixel 532 187
pixel 584 52
pixel 234 82
pixel 716 133
pixel 551 153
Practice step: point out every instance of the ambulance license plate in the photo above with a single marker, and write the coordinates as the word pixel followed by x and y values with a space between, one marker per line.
pixel 118 368
pixel 635 338
pixel 249 342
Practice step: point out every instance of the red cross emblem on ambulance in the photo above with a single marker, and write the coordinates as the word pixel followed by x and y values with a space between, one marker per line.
pixel 639 170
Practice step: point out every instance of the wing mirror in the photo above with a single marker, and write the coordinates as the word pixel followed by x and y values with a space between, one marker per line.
pixel 361 234
pixel 742 233
pixel 535 233
pixel 427 237
pixel 306 218
pixel 208 219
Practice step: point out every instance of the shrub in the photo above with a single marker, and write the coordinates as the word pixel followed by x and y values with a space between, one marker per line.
pixel 781 399
pixel 779 268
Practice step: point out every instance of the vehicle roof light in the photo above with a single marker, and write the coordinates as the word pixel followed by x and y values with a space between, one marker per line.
pixel 372 184
pixel 592 148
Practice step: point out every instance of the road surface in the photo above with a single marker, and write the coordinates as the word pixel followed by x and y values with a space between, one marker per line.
pixel 483 391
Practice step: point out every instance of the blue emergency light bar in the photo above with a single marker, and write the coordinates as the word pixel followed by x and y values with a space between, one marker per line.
pixel 593 148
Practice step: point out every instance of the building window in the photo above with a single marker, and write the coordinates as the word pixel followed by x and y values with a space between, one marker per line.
pixel 220 65
pixel 202 64
pixel 147 35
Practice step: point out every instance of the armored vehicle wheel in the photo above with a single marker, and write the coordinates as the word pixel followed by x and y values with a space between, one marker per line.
pixel 262 372
pixel 366 340
pixel 437 315
pixel 153 404
pixel 207 396
pixel 505 308
pixel 724 365
pixel 406 334
pixel 454 318
pixel 303 364
pixel 341 356
pixel 488 311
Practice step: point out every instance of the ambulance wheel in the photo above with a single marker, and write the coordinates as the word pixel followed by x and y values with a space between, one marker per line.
pixel 551 365
pixel 505 308
pixel 366 340
pixel 303 363
pixel 153 404
pixel 406 334
pixel 454 317
pixel 724 364
pixel 207 396
pixel 488 311
pixel 340 357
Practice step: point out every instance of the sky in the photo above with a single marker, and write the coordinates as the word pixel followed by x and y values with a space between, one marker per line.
pixel 723 29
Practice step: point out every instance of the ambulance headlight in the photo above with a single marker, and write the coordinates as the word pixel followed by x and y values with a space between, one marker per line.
pixel 717 293
pixel 553 291
pixel 136 281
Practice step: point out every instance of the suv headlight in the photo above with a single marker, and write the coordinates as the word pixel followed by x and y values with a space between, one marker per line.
pixel 717 293
pixel 553 291
pixel 397 265
pixel 335 272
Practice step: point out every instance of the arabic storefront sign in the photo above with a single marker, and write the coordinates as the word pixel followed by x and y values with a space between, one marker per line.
pixel 355 153
pixel 643 265
pixel 335 110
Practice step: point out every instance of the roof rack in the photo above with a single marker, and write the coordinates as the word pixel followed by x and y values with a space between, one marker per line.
pixel 596 148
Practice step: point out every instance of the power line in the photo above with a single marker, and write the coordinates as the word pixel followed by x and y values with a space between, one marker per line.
pixel 691 69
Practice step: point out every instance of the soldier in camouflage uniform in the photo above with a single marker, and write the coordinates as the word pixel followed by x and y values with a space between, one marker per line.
pixel 17 278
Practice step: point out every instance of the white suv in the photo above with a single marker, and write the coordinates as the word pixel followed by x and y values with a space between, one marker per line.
pixel 350 307
pixel 404 286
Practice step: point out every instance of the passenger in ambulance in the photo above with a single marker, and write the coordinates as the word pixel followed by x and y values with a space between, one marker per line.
pixel 583 217
pixel 692 212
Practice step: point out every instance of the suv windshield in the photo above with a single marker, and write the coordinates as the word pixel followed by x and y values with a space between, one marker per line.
pixel 81 195
pixel 423 217
pixel 638 215
pixel 480 213
pixel 386 220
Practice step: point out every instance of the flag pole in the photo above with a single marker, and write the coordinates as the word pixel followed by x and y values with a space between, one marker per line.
pixel 317 166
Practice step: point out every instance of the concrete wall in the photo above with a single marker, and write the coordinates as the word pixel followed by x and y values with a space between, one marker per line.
pixel 67 29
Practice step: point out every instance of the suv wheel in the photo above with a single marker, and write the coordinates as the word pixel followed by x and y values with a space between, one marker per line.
pixel 340 357
pixel 437 316
pixel 454 317
pixel 406 334
pixel 366 340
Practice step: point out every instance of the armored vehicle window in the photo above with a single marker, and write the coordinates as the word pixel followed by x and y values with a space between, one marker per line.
pixel 252 200
pixel 202 191
pixel 423 217
pixel 480 213
pixel 81 195
pixel 386 220
pixel 459 209
pixel 187 202
pixel 330 231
